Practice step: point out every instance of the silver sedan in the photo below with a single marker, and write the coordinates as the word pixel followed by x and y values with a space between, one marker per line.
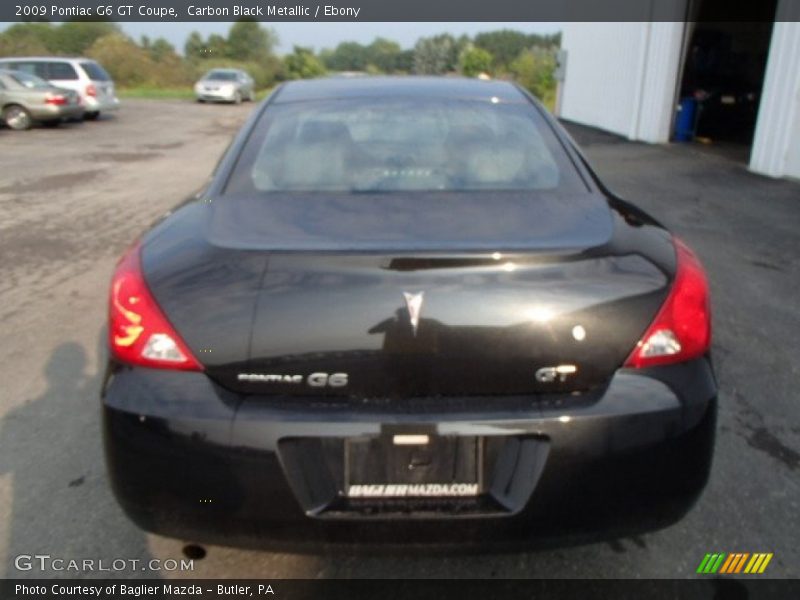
pixel 26 99
pixel 225 85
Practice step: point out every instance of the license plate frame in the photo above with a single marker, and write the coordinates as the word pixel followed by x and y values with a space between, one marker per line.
pixel 378 467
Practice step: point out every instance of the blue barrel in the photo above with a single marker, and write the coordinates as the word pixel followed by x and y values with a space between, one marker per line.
pixel 684 120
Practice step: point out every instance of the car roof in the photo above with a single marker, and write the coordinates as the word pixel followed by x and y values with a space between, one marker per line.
pixel 392 87
pixel 47 58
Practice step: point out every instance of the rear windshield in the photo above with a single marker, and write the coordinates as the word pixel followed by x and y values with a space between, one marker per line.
pixel 402 144
pixel 95 72
pixel 32 82
pixel 221 76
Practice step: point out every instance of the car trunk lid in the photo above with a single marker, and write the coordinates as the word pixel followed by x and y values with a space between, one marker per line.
pixel 515 294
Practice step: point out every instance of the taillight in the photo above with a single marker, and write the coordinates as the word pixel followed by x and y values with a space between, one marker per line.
pixel 682 328
pixel 56 99
pixel 139 333
pixel 91 90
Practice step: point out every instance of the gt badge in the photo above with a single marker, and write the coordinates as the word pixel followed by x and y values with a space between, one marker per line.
pixel 558 373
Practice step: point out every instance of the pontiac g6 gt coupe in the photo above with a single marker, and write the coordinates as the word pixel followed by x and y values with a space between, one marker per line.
pixel 407 310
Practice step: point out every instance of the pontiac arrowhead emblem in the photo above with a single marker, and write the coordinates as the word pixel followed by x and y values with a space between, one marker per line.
pixel 414 305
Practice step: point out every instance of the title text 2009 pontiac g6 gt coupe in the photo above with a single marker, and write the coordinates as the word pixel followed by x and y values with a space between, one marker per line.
pixel 406 309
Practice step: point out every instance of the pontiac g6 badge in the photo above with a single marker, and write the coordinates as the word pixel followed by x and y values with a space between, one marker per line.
pixel 314 380
pixel 414 306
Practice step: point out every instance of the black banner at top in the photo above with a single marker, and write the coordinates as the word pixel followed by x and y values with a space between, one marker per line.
pixel 398 10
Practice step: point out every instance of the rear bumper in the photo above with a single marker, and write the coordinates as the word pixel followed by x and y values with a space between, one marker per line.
pixel 105 104
pixel 190 460
pixel 55 112
pixel 209 96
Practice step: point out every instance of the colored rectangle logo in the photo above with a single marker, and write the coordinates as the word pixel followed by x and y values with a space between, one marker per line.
pixel 734 563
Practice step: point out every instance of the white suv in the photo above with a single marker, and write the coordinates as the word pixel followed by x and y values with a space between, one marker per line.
pixel 83 75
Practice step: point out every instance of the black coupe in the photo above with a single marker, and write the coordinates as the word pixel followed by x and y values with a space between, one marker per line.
pixel 406 309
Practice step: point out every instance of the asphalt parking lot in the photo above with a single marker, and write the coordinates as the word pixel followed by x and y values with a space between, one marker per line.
pixel 71 200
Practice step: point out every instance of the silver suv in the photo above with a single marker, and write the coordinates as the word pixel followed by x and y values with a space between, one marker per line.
pixel 83 75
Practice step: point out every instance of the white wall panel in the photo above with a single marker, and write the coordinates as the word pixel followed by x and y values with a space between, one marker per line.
pixel 776 145
pixel 603 65
pixel 660 83
pixel 621 77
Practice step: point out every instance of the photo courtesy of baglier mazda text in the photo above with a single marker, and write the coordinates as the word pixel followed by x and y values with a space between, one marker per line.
pixel 337 300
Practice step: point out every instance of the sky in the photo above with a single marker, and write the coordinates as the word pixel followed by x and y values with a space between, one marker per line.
pixel 327 35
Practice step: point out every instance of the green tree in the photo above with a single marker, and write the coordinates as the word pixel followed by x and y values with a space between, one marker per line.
pixel 474 61
pixel 384 55
pixel 127 63
pixel 302 64
pixel 168 69
pixel 533 69
pixel 160 49
pixel 324 56
pixel 25 39
pixel 405 61
pixel 247 40
pixel 347 56
pixel 506 45
pixel 194 46
pixel 75 37
pixel 436 55
pixel 72 38
pixel 216 46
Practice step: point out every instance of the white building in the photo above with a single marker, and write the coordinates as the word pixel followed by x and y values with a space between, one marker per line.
pixel 628 78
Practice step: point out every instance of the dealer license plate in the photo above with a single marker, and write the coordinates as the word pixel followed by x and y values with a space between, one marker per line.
pixel 412 466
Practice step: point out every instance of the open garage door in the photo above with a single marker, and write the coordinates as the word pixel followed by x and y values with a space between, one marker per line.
pixel 723 75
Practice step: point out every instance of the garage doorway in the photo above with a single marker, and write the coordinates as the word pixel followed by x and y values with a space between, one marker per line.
pixel 722 78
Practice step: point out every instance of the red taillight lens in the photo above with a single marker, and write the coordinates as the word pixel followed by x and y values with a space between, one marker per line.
pixel 56 99
pixel 139 333
pixel 682 328
pixel 91 90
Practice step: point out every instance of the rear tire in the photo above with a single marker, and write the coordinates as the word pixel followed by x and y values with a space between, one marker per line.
pixel 17 118
pixel 91 116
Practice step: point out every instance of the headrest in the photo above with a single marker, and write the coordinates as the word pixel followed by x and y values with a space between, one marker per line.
pixel 324 131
